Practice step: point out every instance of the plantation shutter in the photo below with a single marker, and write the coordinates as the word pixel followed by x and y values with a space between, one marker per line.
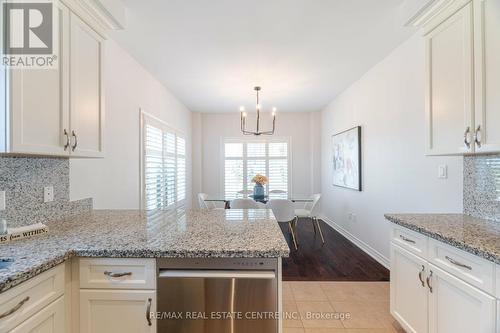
pixel 244 160
pixel 164 166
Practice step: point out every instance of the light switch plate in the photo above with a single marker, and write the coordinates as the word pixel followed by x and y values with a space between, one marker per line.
pixel 2 200
pixel 443 171
pixel 48 194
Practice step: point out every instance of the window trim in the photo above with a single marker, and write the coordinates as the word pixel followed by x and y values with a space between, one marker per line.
pixel 222 155
pixel 147 118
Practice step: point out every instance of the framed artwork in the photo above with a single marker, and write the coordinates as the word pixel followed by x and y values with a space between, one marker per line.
pixel 346 147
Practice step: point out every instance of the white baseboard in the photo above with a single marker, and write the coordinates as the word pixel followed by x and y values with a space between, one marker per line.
pixel 384 261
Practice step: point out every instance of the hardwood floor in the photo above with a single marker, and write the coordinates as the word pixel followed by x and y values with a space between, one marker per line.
pixel 336 260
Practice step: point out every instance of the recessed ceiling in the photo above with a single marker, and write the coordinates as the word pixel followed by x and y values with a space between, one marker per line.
pixel 211 53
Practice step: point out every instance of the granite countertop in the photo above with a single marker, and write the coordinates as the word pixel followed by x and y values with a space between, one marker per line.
pixel 134 234
pixel 474 235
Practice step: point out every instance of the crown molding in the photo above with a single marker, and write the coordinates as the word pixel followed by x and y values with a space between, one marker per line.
pixel 427 12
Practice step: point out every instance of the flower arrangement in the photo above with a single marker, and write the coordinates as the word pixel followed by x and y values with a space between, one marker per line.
pixel 259 179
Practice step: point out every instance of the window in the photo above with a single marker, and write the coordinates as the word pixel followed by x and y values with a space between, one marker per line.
pixel 243 160
pixel 164 165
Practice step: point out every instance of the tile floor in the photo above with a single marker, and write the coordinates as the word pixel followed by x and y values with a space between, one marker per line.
pixel 365 306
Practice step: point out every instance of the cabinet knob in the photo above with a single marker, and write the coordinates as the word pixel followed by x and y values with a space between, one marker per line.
pixel 478 136
pixel 73 134
pixel 429 279
pixel 467 137
pixel 68 140
pixel 420 276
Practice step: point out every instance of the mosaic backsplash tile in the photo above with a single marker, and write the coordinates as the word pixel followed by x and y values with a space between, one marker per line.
pixel 23 180
pixel 482 186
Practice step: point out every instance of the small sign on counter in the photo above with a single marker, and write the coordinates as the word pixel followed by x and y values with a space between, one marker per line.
pixel 24 232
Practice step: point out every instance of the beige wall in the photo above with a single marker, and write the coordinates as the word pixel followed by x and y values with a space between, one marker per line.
pixel 114 181
pixel 388 102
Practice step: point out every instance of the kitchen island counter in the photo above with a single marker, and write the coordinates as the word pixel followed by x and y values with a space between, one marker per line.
pixel 214 233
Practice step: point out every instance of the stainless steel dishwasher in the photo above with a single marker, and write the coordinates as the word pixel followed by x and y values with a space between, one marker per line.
pixel 217 295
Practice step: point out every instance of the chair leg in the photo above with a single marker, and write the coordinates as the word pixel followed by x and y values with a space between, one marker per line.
pixel 296 222
pixel 314 225
pixel 292 232
pixel 319 228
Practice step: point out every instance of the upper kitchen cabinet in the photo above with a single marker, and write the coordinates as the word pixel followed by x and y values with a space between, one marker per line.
pixel 487 75
pixel 462 76
pixel 35 107
pixel 86 90
pixel 449 79
pixel 60 111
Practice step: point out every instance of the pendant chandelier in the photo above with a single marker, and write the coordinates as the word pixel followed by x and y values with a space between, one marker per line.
pixel 257 128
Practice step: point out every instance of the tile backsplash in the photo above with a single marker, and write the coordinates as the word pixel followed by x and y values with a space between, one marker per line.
pixel 482 186
pixel 23 180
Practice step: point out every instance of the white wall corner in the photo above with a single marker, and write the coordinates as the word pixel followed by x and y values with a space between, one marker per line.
pixel 379 257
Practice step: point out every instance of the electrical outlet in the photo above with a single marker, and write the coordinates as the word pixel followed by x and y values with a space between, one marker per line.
pixel 2 200
pixel 48 194
pixel 443 171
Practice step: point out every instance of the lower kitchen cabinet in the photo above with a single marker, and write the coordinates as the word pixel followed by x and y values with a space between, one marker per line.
pixel 124 311
pixel 409 293
pixel 48 320
pixel 455 306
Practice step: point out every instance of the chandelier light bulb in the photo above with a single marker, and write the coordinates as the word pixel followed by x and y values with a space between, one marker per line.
pixel 274 111
pixel 258 106
pixel 242 108
pixel 244 114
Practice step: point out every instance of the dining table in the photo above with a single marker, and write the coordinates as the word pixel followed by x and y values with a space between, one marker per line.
pixel 265 200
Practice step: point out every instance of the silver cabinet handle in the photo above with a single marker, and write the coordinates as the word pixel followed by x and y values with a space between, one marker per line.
pixel 459 264
pixel 68 140
pixel 407 239
pixel 420 276
pixel 115 275
pixel 429 279
pixel 148 312
pixel 73 134
pixel 467 138
pixel 477 136
pixel 14 309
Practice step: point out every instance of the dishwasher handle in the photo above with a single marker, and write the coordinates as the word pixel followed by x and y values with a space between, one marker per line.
pixel 216 274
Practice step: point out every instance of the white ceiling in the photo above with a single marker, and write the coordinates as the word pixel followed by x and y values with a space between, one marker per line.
pixel 211 53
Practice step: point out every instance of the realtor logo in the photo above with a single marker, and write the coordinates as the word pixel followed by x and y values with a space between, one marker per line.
pixel 28 34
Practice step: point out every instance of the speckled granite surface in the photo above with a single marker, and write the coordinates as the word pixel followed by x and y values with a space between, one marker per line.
pixel 132 234
pixel 474 235
pixel 482 186
pixel 23 180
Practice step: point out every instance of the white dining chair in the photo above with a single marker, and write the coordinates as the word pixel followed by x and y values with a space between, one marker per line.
pixel 284 211
pixel 308 212
pixel 278 194
pixel 245 203
pixel 205 204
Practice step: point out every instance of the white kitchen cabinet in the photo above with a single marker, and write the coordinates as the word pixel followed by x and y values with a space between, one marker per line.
pixel 408 290
pixel 449 77
pixel 487 75
pixel 36 105
pixel 463 78
pixel 124 311
pixel 48 320
pixel 456 306
pixel 87 101
pixel 58 112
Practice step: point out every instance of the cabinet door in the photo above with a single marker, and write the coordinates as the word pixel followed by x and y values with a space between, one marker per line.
pixel 87 111
pixel 487 83
pixel 449 91
pixel 124 311
pixel 408 292
pixel 456 306
pixel 48 320
pixel 38 101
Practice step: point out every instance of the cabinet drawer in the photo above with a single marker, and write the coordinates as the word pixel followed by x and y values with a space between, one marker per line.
pixel 476 271
pixel 28 298
pixel 410 240
pixel 49 319
pixel 106 273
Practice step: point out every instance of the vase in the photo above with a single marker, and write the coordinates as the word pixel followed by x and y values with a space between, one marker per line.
pixel 258 192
